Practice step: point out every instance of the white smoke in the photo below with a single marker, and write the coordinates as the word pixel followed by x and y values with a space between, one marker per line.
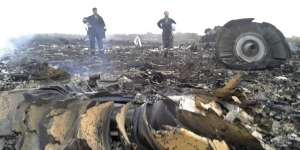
pixel 9 44
pixel 5 45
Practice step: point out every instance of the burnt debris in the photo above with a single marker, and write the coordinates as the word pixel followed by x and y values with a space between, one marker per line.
pixel 143 98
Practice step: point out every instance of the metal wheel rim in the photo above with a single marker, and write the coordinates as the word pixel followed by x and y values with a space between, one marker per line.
pixel 250 47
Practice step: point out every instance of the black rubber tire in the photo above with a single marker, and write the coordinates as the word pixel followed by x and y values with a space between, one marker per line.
pixel 253 44
pixel 226 46
pixel 278 48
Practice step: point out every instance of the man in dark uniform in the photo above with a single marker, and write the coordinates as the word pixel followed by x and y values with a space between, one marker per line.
pixel 166 25
pixel 96 29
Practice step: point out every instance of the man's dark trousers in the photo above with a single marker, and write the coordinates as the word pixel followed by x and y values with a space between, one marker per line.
pixel 167 37
pixel 95 37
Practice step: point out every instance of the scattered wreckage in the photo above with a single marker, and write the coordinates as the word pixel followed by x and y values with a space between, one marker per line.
pixel 143 98
pixel 103 113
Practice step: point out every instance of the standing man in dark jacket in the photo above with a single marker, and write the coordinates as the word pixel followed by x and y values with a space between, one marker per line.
pixel 166 25
pixel 96 29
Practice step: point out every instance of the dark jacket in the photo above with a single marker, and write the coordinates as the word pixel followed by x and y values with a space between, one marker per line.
pixel 96 24
pixel 166 24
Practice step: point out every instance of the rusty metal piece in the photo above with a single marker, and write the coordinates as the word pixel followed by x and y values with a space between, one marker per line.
pixel 120 119
pixel 180 138
pixel 61 124
pixel 218 145
pixel 94 126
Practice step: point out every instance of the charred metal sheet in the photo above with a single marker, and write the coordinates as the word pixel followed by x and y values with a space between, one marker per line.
pixel 11 119
pixel 209 125
pixel 238 22
pixel 46 123
pixel 141 132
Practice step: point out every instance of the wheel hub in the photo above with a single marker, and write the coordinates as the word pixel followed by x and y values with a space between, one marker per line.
pixel 250 47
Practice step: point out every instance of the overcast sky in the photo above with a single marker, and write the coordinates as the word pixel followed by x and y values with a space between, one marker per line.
pixel 140 16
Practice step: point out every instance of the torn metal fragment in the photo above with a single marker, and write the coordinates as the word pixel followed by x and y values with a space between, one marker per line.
pixel 229 87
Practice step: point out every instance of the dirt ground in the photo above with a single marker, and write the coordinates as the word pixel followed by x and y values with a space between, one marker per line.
pixel 271 97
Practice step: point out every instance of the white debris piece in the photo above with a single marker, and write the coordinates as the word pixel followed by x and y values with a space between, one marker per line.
pixel 246 90
pixel 137 41
pixel 232 115
pixel 236 99
pixel 281 78
pixel 186 102
pixel 4 71
pixel 125 79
